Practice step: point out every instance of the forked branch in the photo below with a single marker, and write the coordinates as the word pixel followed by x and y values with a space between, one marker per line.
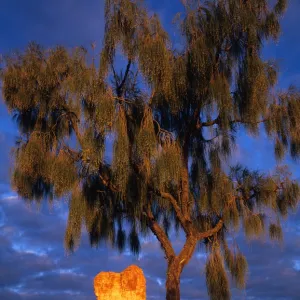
pixel 160 234
pixel 177 209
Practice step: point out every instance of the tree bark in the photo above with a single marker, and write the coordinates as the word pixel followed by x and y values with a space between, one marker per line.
pixel 173 280
pixel 185 192
pixel 175 267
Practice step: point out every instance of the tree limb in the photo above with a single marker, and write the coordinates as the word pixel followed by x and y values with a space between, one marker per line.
pixel 210 123
pixel 121 86
pixel 177 209
pixel 160 234
pixel 208 233
pixel 108 183
pixel 217 121
pixel 75 155
pixel 187 251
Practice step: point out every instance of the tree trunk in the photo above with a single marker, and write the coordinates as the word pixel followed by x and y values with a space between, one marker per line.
pixel 175 267
pixel 173 280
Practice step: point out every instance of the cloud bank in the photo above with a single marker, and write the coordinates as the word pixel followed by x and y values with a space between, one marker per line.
pixel 34 264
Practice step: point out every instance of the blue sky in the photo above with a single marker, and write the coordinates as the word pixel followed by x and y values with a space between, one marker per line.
pixel 33 262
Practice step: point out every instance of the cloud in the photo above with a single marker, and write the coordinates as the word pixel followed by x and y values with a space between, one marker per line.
pixel 35 266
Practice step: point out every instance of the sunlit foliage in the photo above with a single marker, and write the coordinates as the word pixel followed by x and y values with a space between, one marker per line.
pixel 216 278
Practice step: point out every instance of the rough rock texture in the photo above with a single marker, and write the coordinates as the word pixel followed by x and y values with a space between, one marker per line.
pixel 127 285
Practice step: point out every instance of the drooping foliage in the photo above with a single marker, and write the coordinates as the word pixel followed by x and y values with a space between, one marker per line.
pixel 172 114
pixel 216 278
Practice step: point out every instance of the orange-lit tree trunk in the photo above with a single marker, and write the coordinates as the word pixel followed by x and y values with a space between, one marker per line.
pixel 175 268
pixel 182 208
pixel 173 281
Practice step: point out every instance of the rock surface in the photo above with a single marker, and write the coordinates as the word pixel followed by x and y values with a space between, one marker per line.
pixel 127 285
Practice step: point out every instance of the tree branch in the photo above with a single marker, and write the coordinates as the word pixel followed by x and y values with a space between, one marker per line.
pixel 108 183
pixel 160 234
pixel 217 121
pixel 187 251
pixel 210 232
pixel 121 86
pixel 177 209
pixel 115 74
pixel 210 123
pixel 75 155
pixel 76 130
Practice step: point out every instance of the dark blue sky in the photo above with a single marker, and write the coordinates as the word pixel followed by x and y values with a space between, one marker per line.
pixel 33 263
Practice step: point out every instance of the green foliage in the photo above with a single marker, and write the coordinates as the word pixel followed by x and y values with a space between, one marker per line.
pixel 216 278
pixel 275 232
pixel 279 150
pixel 75 220
pixel 120 165
pixel 155 58
pixel 121 239
pixel 32 156
pixel 267 193
pixel 31 188
pixel 168 165
pixel 63 174
pixel 231 214
pixel 288 198
pixel 280 6
pixel 104 112
pixel 253 225
pixel 92 145
pixel 240 270
pixel 146 140
pixel 216 194
pixel 253 88
pixel 134 242
pixel 237 265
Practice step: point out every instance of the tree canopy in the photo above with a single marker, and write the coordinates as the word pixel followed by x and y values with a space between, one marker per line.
pixel 173 114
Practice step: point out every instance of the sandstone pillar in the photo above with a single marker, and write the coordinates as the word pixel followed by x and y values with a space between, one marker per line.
pixel 127 285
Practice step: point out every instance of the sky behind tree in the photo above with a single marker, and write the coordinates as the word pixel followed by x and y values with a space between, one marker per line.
pixel 32 259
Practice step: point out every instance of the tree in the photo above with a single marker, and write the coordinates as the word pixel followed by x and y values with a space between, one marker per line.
pixel 173 115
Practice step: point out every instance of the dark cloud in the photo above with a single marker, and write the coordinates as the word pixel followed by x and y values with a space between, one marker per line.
pixel 35 266
pixel 32 258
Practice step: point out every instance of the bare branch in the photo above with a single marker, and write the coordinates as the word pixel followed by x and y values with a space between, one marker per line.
pixel 217 122
pixel 115 74
pixel 207 124
pixel 121 86
pixel 160 234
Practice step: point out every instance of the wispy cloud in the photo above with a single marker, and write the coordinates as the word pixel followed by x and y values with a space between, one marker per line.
pixel 34 264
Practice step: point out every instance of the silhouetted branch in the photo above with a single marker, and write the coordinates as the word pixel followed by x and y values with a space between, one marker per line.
pixel 121 86
pixel 160 234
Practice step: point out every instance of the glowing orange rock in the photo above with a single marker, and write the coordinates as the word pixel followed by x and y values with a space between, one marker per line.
pixel 127 285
